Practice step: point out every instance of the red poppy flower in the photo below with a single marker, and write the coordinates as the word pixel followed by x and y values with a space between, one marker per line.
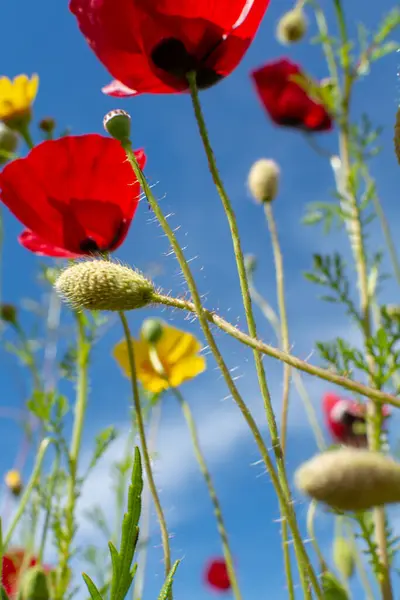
pixel 216 575
pixel 342 418
pixel 286 102
pixel 149 46
pixel 12 563
pixel 76 195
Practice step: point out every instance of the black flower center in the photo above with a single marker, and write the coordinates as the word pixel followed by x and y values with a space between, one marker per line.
pixel 171 56
pixel 88 246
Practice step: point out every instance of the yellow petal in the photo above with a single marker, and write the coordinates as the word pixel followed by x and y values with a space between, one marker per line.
pixel 145 372
pixel 186 369
pixel 175 345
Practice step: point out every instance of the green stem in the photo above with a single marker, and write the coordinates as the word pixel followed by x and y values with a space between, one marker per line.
pixel 358 559
pixel 144 448
pixel 26 136
pixel 284 501
pixel 311 514
pixel 354 386
pixel 48 509
pixel 28 490
pixel 211 491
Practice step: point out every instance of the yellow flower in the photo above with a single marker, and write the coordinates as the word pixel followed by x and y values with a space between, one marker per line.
pixel 178 357
pixel 17 96
pixel 13 481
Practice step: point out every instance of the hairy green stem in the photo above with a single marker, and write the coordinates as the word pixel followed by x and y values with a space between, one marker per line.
pixel 144 448
pixel 293 361
pixel 28 490
pixel 284 501
pixel 48 507
pixel 211 491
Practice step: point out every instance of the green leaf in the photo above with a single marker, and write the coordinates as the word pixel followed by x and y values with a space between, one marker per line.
pixel 103 441
pixel 168 582
pixel 332 589
pixel 93 591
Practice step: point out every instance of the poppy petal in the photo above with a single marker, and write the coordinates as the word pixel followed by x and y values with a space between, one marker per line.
pixel 37 245
pixel 118 90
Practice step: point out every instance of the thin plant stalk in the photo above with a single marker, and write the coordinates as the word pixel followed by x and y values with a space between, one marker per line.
pixel 284 501
pixel 369 594
pixel 354 386
pixel 48 507
pixel 144 447
pixel 145 516
pixel 28 490
pixel 187 413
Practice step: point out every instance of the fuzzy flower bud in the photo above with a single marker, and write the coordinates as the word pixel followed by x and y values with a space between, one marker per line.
pixel 350 479
pixel 291 27
pixel 397 135
pixel 34 584
pixel 47 125
pixel 8 143
pixel 14 483
pixel 152 330
pixel 104 285
pixel 343 557
pixel 8 313
pixel 118 124
pixel 263 180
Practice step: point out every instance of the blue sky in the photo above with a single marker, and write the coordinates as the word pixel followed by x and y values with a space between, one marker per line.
pixel 44 38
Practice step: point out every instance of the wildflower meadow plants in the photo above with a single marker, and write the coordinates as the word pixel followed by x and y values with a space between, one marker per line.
pixel 76 196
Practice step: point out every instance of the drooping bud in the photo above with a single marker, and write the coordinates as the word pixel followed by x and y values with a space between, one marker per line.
pixel 8 143
pixel 34 585
pixel 118 124
pixel 397 135
pixel 47 125
pixel 152 330
pixel 8 313
pixel 350 479
pixel 263 180
pixel 13 481
pixel 104 285
pixel 343 557
pixel 292 26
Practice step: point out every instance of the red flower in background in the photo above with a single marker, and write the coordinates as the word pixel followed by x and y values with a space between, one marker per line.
pixel 216 575
pixel 12 563
pixel 286 102
pixel 342 418
pixel 150 45
pixel 76 195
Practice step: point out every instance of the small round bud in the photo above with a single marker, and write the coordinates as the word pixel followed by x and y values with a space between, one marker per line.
pixel 34 585
pixel 14 483
pixel 292 27
pixel 47 125
pixel 104 285
pixel 8 143
pixel 250 263
pixel 392 311
pixel 263 180
pixel 8 313
pixel 152 330
pixel 118 124
pixel 397 135
pixel 350 479
pixel 343 557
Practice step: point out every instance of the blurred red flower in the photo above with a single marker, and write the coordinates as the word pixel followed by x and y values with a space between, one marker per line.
pixel 216 575
pixel 286 102
pixel 76 195
pixel 150 45
pixel 346 420
pixel 12 563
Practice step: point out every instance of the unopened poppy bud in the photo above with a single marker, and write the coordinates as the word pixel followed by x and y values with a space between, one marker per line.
pixel 8 143
pixel 8 313
pixel 250 263
pixel 14 483
pixel 292 27
pixel 47 125
pixel 104 285
pixel 118 124
pixel 263 180
pixel 152 330
pixel 397 135
pixel 343 557
pixel 34 585
pixel 350 479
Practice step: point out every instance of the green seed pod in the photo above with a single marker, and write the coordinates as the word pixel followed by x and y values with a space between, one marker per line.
pixel 118 124
pixel 343 557
pixel 104 285
pixel 152 330
pixel 350 479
